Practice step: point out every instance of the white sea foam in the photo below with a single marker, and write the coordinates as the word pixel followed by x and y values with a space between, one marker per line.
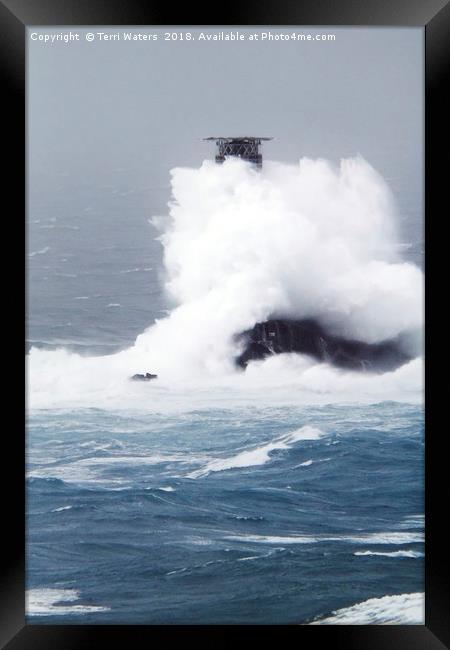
pixel 258 455
pixel 256 557
pixel 94 470
pixel 402 609
pixel 42 251
pixel 240 246
pixel 275 539
pixel 368 538
pixel 388 538
pixel 154 459
pixel 413 521
pixel 44 602
pixel 62 379
pixel 411 554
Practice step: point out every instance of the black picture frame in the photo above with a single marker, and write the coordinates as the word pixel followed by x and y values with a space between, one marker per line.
pixel 434 16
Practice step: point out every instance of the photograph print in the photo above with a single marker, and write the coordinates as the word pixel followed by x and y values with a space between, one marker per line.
pixel 225 326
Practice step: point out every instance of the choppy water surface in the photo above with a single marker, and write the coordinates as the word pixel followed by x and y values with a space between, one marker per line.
pixel 225 516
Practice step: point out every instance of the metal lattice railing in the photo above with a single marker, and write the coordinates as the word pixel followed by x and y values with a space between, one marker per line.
pixel 246 148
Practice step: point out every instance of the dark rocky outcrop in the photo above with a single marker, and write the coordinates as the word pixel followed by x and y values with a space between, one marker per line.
pixel 147 377
pixel 308 337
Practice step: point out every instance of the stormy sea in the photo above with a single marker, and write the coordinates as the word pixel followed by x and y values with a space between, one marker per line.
pixel 290 491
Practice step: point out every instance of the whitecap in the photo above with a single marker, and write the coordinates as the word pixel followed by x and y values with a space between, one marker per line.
pixel 412 554
pixel 401 609
pixel 387 538
pixel 45 601
pixel 367 538
pixel 258 455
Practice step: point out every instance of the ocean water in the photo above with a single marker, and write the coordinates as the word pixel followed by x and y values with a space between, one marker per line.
pixel 249 515
pixel 291 493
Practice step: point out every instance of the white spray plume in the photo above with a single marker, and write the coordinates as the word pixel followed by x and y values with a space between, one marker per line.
pixel 241 246
pixel 297 241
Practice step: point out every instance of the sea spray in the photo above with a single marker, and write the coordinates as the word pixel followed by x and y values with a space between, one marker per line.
pixel 296 241
pixel 240 246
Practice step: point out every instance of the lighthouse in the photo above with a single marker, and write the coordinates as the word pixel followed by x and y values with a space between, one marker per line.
pixel 246 148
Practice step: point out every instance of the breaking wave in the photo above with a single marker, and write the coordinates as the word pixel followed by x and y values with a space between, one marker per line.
pixel 402 609
pixel 306 241
pixel 257 455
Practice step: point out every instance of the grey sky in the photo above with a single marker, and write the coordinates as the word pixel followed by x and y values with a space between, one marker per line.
pixel 145 106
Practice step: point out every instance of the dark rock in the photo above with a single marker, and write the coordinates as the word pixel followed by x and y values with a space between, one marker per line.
pixel 146 377
pixel 276 336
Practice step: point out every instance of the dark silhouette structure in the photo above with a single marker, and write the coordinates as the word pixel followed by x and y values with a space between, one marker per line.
pixel 244 147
